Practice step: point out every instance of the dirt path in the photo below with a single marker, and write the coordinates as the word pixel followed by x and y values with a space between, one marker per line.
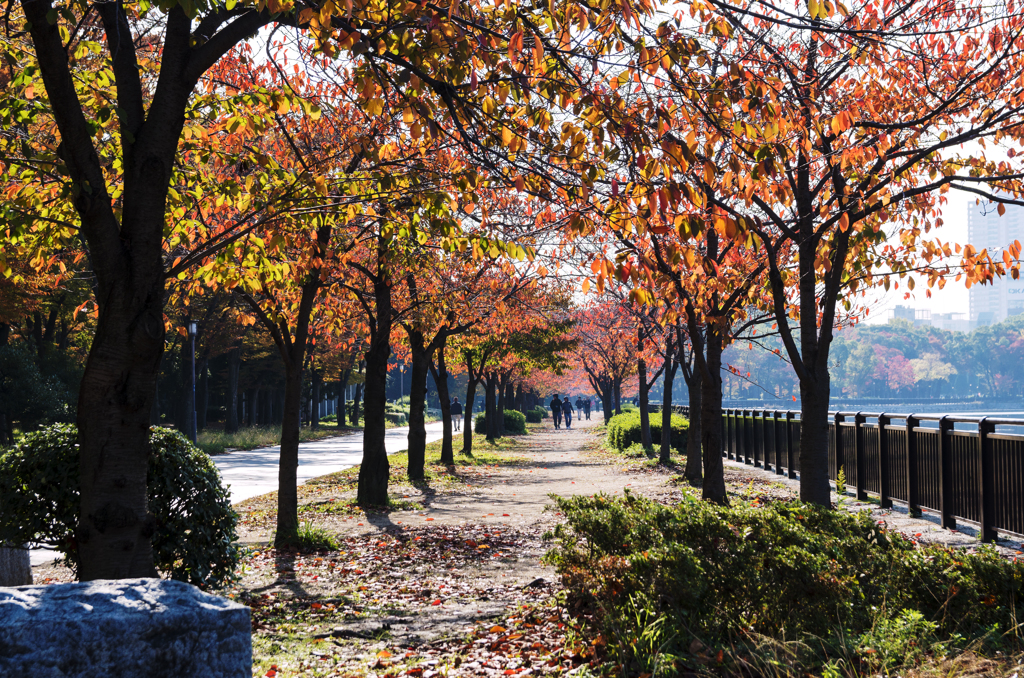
pixel 409 586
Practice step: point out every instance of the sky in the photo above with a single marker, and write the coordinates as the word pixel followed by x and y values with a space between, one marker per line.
pixel 954 298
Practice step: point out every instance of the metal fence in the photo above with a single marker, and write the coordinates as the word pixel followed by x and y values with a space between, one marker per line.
pixel 958 466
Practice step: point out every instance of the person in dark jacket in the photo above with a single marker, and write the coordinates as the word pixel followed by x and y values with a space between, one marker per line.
pixel 556 411
pixel 567 412
pixel 457 413
pixel 586 408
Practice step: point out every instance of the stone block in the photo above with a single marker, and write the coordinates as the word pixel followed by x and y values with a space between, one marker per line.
pixel 126 628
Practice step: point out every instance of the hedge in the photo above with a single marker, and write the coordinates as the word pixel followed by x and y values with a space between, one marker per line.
pixel 515 423
pixel 195 534
pixel 624 430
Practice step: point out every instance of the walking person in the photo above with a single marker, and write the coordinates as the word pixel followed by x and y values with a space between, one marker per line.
pixel 456 413
pixel 567 412
pixel 586 408
pixel 579 407
pixel 556 411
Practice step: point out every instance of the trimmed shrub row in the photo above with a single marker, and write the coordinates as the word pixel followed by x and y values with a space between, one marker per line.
pixel 515 423
pixel 624 430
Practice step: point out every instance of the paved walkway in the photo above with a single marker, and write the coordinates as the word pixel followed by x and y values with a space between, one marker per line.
pixel 250 473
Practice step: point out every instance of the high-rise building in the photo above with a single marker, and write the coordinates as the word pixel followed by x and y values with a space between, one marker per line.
pixel 987 230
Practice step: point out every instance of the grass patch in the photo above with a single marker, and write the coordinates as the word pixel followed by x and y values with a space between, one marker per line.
pixel 249 438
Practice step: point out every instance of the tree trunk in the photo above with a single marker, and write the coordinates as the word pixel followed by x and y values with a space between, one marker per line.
pixel 375 469
pixel 694 385
pixel 467 420
pixel 501 404
pixel 314 409
pixel 617 390
pixel 491 406
pixel 645 417
pixel 288 467
pixel 713 488
pixel 342 420
pixel 203 394
pixel 15 566
pixel 357 401
pixel 234 363
pixel 440 373
pixel 417 405
pixel 814 399
pixel 114 405
pixel 665 454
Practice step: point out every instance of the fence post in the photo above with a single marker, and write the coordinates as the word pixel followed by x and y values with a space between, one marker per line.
pixel 775 442
pixel 838 456
pixel 884 490
pixel 946 499
pixel 859 456
pixel 913 508
pixel 741 448
pixel 790 468
pixel 758 437
pixel 986 482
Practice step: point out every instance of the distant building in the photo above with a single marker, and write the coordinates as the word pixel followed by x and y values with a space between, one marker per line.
pixel 987 230
pixel 953 322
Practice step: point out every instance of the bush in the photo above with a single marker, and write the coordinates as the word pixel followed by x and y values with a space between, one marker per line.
pixel 542 411
pixel 824 583
pixel 195 537
pixel 515 423
pixel 398 418
pixel 624 430
pixel 329 419
pixel 533 417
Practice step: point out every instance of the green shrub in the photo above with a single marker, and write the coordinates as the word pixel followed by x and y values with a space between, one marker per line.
pixel 398 418
pixel 533 417
pixel 543 412
pixel 624 430
pixel 195 537
pixel 817 579
pixel 329 419
pixel 515 422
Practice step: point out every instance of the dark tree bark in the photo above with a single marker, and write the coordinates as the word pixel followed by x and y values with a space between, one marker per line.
pixel 491 406
pixel 202 394
pixel 645 417
pixel 231 397
pixel 694 440
pixel 314 409
pixel 439 371
pixel 357 401
pixel 669 369
pixel 342 406
pixel 375 468
pixel 617 390
pixel 417 404
pixel 475 374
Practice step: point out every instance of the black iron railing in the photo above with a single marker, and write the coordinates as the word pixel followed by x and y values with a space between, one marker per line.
pixel 961 467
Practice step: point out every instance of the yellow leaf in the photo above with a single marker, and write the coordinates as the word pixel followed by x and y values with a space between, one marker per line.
pixel 506 136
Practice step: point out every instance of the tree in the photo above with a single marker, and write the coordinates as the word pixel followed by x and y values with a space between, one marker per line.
pixel 824 155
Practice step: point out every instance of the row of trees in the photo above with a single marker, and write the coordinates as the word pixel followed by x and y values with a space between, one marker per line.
pixel 373 171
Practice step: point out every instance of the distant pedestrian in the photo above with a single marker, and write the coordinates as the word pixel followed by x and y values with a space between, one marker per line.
pixel 457 413
pixel 556 411
pixel 567 412
pixel 579 406
pixel 586 408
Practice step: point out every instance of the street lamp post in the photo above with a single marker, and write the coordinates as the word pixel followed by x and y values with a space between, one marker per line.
pixel 193 423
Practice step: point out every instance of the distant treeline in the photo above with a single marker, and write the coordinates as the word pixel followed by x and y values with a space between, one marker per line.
pixel 897 360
